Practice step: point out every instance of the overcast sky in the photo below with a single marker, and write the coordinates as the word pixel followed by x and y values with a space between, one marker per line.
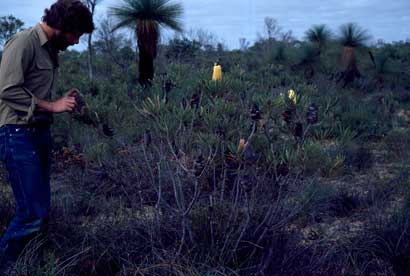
pixel 230 20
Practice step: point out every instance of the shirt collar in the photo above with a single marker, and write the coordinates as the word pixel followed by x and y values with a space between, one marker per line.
pixel 41 34
pixel 44 43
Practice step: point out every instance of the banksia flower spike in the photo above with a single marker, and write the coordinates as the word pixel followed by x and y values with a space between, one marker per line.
pixel 107 130
pixel 282 169
pixel 217 72
pixel 242 145
pixel 255 113
pixel 220 132
pixel 292 96
pixel 194 102
pixel 312 116
pixel 168 85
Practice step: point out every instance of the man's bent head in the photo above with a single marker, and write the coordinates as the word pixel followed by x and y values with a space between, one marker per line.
pixel 71 19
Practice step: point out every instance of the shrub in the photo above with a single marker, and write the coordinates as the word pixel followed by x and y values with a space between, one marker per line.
pixel 397 144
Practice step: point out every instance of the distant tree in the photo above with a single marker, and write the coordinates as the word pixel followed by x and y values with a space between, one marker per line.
pixel 220 47
pixel 319 35
pixel 9 25
pixel 91 4
pixel 351 37
pixel 272 28
pixel 206 39
pixel 111 44
pixel 243 44
pixel 114 48
pixel 182 48
pixel 288 37
pixel 145 17
pixel 280 52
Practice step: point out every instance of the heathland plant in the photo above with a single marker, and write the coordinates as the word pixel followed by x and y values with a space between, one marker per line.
pixel 191 176
pixel 146 17
pixel 351 37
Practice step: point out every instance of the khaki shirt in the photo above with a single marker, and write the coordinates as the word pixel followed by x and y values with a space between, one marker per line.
pixel 28 72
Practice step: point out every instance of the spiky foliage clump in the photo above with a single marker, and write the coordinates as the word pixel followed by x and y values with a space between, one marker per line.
pixel 280 53
pixel 146 17
pixel 352 35
pixel 319 35
pixel 383 63
pixel 309 55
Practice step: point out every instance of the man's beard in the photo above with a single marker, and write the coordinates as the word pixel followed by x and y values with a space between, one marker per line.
pixel 59 42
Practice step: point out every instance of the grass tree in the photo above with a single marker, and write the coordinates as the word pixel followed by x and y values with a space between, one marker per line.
pixel 319 35
pixel 351 37
pixel 145 17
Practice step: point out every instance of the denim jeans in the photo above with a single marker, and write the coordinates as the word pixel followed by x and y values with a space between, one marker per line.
pixel 26 153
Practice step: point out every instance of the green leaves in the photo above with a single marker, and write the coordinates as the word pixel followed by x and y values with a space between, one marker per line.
pixel 138 12
pixel 145 17
pixel 9 25
pixel 319 35
pixel 352 35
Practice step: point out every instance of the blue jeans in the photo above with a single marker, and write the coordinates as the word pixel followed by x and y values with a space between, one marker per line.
pixel 26 153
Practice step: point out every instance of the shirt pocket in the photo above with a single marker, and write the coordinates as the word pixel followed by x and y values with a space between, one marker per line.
pixel 44 65
pixel 42 76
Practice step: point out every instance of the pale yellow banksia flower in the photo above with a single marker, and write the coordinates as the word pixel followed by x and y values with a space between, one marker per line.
pixel 292 95
pixel 217 73
pixel 242 144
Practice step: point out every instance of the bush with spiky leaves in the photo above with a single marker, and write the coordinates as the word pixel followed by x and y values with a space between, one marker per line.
pixel 230 177
pixel 145 17
pixel 320 35
pixel 352 35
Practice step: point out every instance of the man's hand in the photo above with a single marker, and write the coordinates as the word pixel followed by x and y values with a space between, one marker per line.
pixel 72 92
pixel 66 103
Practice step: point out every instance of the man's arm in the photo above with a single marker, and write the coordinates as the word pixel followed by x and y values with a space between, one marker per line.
pixel 17 55
pixel 66 103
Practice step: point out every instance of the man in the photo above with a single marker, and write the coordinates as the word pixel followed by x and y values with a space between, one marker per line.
pixel 28 74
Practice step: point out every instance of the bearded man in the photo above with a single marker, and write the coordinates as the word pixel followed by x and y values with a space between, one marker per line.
pixel 28 77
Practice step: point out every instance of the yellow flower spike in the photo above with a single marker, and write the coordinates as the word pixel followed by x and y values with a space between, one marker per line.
pixel 217 73
pixel 292 95
pixel 242 144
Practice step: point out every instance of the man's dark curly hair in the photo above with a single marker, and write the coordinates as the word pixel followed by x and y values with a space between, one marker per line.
pixel 69 16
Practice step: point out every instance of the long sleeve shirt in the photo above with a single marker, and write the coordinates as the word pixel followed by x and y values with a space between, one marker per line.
pixel 28 72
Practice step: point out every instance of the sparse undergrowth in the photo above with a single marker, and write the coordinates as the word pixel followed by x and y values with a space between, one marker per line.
pixel 230 177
